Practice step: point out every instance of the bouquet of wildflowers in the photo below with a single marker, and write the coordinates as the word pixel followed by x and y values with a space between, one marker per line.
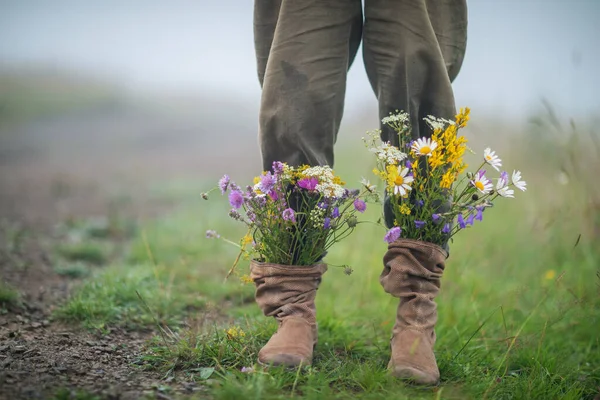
pixel 430 194
pixel 294 215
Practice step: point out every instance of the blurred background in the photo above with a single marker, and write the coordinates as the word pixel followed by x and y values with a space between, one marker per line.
pixel 102 96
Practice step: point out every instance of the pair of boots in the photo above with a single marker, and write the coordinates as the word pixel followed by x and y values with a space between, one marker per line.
pixel 412 272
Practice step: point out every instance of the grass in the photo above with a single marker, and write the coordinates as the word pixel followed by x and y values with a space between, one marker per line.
pixel 519 309
pixel 8 295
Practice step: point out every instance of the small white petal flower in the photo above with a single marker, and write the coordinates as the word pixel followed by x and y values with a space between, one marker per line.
pixel 506 192
pixel 365 182
pixel 516 180
pixel 424 146
pixel 483 184
pixel 491 158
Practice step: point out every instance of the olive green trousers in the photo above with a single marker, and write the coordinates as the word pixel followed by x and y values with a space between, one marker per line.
pixel 412 51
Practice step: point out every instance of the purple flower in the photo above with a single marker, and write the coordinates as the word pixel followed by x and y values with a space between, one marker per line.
pixel 408 163
pixel 251 216
pixel 289 215
pixel 360 205
pixel 308 183
pixel 419 224
pixel 267 181
pixel 326 223
pixel 224 183
pixel 479 216
pixel 236 199
pixel 446 228
pixel 277 167
pixel 480 174
pixel 393 234
pixel 420 203
pixel 273 195
pixel 461 221
pixel 470 219
pixel 322 205
pixel 335 213
pixel 435 217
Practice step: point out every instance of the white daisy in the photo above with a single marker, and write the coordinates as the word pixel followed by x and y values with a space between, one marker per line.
pixel 483 184
pixel 424 146
pixel 516 180
pixel 402 182
pixel 502 186
pixel 491 158
pixel 365 182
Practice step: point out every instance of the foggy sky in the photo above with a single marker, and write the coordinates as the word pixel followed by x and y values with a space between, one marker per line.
pixel 517 51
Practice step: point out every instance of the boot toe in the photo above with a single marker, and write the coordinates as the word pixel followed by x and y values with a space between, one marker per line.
pixel 283 360
pixel 415 375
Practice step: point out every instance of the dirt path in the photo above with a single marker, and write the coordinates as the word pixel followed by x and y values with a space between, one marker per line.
pixel 50 175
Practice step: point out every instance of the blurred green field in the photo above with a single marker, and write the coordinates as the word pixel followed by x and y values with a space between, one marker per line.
pixel 519 309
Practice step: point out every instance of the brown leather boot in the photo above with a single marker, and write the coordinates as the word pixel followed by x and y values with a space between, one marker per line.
pixel 412 272
pixel 287 292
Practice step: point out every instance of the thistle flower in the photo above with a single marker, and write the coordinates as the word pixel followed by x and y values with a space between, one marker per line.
pixel 516 180
pixel 492 159
pixel 424 147
pixel 236 199
pixel 360 205
pixel 308 183
pixel 224 183
pixel 289 215
pixel 393 234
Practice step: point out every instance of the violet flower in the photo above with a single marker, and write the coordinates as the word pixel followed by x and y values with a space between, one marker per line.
pixel 393 234
pixel 289 215
pixel 236 199
pixel 360 205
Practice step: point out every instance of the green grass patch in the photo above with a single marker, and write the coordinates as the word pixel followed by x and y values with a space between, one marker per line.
pixel 8 295
pixel 519 308
pixel 72 270
pixel 94 253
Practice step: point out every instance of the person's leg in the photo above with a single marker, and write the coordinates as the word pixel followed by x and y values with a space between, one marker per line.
pixel 405 60
pixel 304 51
pixel 413 50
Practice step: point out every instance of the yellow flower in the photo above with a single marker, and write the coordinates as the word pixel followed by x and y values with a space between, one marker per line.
pixel 404 209
pixel 235 332
pixel 463 117
pixel 245 279
pixel 247 239
pixel 549 275
pixel 448 179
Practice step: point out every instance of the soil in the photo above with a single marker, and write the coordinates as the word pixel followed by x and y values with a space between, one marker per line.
pixel 48 175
